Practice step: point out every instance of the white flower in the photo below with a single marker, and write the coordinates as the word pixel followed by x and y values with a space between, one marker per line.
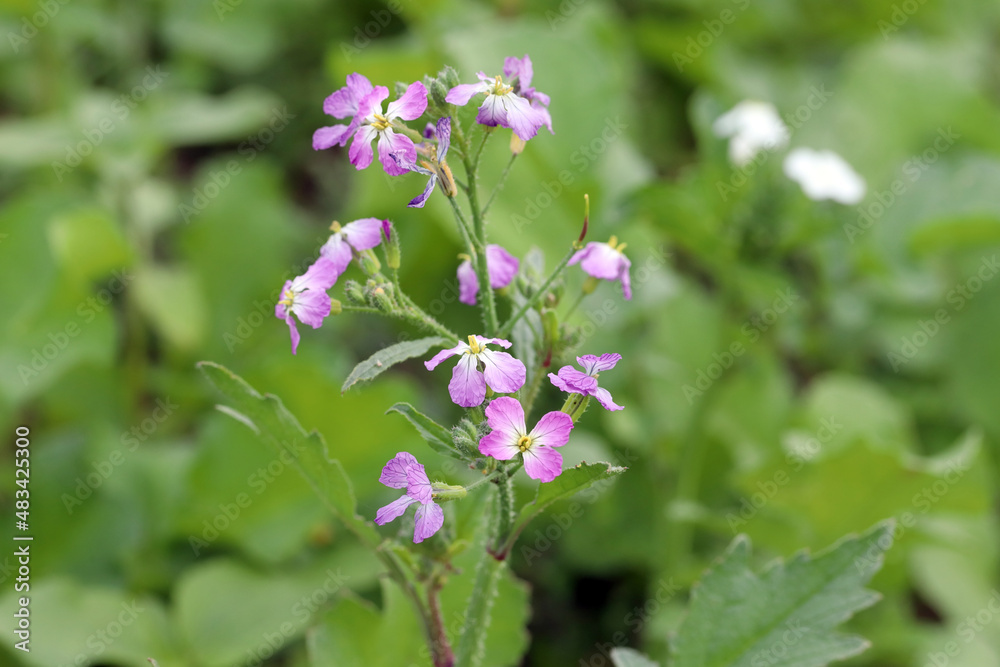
pixel 752 127
pixel 824 175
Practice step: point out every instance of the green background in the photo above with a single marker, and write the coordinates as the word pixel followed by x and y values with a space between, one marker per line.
pixel 112 287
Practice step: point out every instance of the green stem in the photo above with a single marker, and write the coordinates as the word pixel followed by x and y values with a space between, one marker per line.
pixel 440 647
pixel 499 186
pixel 528 401
pixel 477 613
pixel 505 512
pixel 536 297
pixel 487 298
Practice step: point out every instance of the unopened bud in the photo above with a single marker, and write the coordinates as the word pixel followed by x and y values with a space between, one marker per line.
pixel 381 299
pixel 449 77
pixel 354 293
pixel 466 438
pixel 369 263
pixel 392 250
pixel 517 144
pixel 438 93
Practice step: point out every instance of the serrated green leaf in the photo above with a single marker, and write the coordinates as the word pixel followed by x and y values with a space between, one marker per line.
pixel 626 657
pixel 565 485
pixel 382 360
pixel 785 616
pixel 276 426
pixel 437 436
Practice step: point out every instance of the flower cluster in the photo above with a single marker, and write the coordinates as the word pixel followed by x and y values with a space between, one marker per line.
pixel 486 379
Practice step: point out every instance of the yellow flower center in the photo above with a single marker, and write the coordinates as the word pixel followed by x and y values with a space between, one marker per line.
pixel 500 88
pixel 524 443
pixel 287 298
pixel 474 346
pixel 334 226
pixel 613 242
pixel 381 122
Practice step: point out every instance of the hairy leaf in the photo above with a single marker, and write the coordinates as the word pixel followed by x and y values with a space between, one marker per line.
pixel 385 358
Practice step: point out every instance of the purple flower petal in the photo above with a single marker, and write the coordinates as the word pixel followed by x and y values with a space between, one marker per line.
pixel 372 102
pixel 542 463
pixel 344 102
pixel 504 373
pixel 492 111
pixel 394 472
pixel 520 68
pixel 626 278
pixel 421 199
pixel 388 143
pixel 443 133
pixel 552 430
pixel 506 416
pixel 502 266
pixel 411 105
pixel 361 153
pixel 393 510
pixel 363 234
pixel 430 518
pixel 293 331
pixel 429 131
pixel 386 229
pixel 337 251
pixel 312 307
pixel 522 118
pixel 321 275
pixel 406 161
pixel 334 135
pixel 499 445
pixel 599 260
pixel 468 283
pixel 432 363
pixel 505 344
pixel 462 93
pixel 573 381
pixel 418 486
pixel 593 364
pixel 604 398
pixel 468 386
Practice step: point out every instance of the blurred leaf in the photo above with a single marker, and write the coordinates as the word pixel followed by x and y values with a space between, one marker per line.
pixel 385 358
pixel 437 436
pixel 88 244
pixel 626 657
pixel 787 615
pixel 569 483
pixel 172 299
pixel 194 119
pixel 276 426
pixel 356 634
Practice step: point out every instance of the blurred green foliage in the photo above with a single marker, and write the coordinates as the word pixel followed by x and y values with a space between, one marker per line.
pixel 159 186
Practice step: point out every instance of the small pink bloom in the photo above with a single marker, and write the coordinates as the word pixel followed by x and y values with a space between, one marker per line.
pixel 403 472
pixel 503 373
pixel 501 265
pixel 509 437
pixel 351 238
pixel 505 106
pixel 306 297
pixel 574 382
pixel 607 262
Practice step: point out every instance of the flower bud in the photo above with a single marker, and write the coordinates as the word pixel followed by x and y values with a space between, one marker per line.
pixel 392 250
pixel 369 263
pixel 381 298
pixel 438 93
pixel 517 144
pixel 336 308
pixel 466 438
pixel 354 293
pixel 449 77
pixel 550 323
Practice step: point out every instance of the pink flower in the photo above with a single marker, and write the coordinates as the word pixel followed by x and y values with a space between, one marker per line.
pixel 365 103
pixel 503 105
pixel 574 382
pixel 403 472
pixel 433 163
pixel 501 265
pixel 502 372
pixel 510 437
pixel 306 297
pixel 519 73
pixel 353 237
pixel 607 262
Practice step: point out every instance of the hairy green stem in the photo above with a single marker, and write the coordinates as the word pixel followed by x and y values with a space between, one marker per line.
pixel 487 298
pixel 477 613
pixel 505 512
pixel 441 651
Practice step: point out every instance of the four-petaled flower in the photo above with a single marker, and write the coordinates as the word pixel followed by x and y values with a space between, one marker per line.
pixel 501 265
pixel 502 372
pixel 305 296
pixel 752 127
pixel 607 262
pixel 369 122
pixel 574 382
pixel 356 236
pixel 824 175
pixel 502 105
pixel 403 472
pixel 509 437
pixel 432 163
pixel 520 72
